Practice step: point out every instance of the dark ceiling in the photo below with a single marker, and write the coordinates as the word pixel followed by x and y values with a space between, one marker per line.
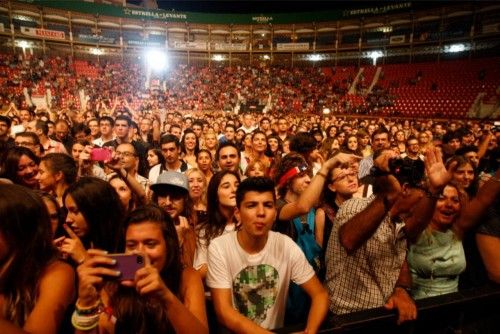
pixel 275 6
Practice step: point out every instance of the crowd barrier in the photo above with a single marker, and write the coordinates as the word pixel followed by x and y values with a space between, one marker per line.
pixel 471 311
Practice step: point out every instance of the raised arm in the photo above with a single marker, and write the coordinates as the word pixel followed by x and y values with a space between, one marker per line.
pixel 438 177
pixel 473 211
pixel 357 230
pixel 309 198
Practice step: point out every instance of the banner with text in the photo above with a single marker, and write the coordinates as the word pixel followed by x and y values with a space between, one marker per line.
pixel 292 46
pixel 96 39
pixel 43 33
pixel 189 45
pixel 229 47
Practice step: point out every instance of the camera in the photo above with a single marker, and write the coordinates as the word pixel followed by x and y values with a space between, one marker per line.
pixel 407 170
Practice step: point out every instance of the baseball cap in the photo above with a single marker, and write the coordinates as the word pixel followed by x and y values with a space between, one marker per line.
pixel 171 179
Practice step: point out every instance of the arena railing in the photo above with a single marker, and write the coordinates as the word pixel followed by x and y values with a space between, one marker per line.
pixel 470 311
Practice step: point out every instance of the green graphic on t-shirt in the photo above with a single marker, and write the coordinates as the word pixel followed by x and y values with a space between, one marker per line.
pixel 255 290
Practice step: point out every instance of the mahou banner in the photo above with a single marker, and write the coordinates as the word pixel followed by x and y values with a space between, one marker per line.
pixel 43 33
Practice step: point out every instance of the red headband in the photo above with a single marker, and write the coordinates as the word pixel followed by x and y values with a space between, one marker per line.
pixel 291 173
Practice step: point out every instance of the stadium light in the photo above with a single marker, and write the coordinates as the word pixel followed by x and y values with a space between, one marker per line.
pixel 23 44
pixel 156 60
pixel 218 58
pixel 315 57
pixel 96 51
pixel 374 55
pixel 454 48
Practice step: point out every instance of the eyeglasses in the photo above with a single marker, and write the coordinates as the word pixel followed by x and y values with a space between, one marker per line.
pixel 125 154
pixel 344 174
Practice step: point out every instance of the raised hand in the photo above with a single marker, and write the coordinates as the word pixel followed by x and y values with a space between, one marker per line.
pixel 149 281
pixel 437 174
pixel 72 246
pixel 91 275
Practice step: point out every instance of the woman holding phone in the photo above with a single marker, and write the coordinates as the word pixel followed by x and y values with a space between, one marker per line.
pixel 161 298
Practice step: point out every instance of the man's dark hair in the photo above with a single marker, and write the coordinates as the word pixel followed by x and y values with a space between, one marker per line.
pixel 451 135
pixel 124 118
pixel 169 138
pixel 412 137
pixel 226 144
pixel 303 143
pixel 80 127
pixel 6 120
pixel 32 135
pixel 197 122
pixel 42 125
pixel 381 129
pixel 230 126
pixel 107 119
pixel 260 184
pixel 466 149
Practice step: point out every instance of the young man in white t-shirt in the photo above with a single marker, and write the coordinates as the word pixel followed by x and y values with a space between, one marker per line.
pixel 249 270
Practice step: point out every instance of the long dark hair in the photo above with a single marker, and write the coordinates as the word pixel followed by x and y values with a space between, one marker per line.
pixel 183 145
pixel 100 205
pixel 26 228
pixel 11 161
pixel 216 223
pixel 138 314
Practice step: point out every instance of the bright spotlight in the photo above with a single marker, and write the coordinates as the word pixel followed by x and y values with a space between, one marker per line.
pixel 455 48
pixel 23 44
pixel 96 51
pixel 375 55
pixel 314 57
pixel 326 111
pixel 266 57
pixel 218 58
pixel 156 60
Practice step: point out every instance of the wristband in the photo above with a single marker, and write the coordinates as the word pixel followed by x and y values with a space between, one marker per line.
pixel 84 323
pixel 92 310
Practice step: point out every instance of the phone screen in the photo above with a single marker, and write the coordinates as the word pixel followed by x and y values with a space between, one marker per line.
pixel 100 154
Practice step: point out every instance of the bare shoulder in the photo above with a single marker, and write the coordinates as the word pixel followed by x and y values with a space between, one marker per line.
pixel 58 270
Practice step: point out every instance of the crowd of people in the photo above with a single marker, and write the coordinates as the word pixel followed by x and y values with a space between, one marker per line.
pixel 247 221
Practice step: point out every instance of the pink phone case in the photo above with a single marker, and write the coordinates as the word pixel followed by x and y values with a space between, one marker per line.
pixel 100 154
pixel 127 264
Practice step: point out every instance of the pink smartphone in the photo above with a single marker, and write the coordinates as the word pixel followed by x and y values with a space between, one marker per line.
pixel 127 264
pixel 100 154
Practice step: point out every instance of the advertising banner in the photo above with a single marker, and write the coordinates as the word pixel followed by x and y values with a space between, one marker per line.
pixel 189 45
pixel 397 39
pixel 96 39
pixel 229 46
pixel 43 33
pixel 292 46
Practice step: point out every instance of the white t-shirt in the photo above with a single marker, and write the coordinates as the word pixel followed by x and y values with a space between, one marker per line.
pixel 201 252
pixel 258 282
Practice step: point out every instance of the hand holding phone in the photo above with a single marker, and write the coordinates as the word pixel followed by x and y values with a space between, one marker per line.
pixel 127 265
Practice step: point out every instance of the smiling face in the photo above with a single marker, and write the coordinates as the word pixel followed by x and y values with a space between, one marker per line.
pixel 447 208
pixel 464 175
pixel 27 172
pixel 197 184
pixel 46 179
pixel 147 238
